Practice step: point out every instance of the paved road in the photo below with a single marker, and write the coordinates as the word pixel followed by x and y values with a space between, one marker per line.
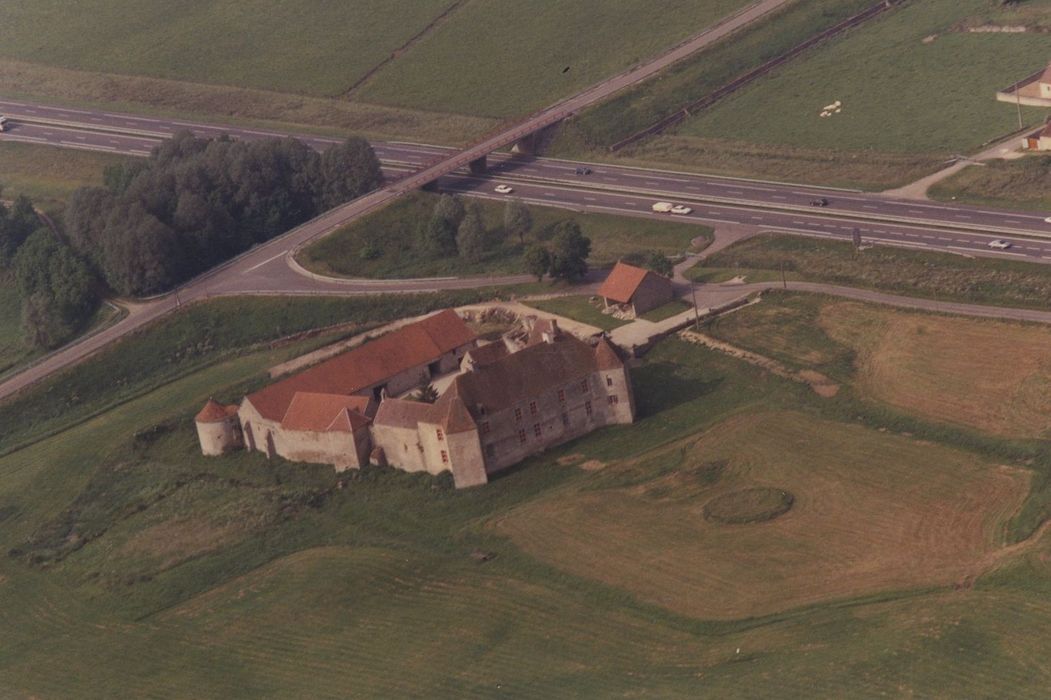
pixel 107 131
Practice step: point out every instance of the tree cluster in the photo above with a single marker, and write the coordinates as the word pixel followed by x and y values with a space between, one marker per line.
pixel 651 260
pixel 196 202
pixel 565 258
pixel 56 287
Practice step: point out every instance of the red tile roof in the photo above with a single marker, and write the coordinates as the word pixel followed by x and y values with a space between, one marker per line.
pixel 622 283
pixel 347 422
pixel 606 356
pixel 404 413
pixel 318 412
pixel 213 412
pixel 370 364
pixel 523 375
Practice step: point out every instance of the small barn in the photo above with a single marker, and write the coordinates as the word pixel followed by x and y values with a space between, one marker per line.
pixel 1039 140
pixel 635 287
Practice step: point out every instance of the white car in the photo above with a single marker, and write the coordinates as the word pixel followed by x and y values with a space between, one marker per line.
pixel 504 189
pixel 681 209
pixel 1048 219
pixel 999 244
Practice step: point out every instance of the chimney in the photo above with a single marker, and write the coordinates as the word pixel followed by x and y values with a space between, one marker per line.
pixel 551 332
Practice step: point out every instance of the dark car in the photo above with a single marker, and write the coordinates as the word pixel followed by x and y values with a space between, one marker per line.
pixel 819 202
pixel 583 171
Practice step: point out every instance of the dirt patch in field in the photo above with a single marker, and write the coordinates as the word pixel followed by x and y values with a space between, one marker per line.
pixel 991 375
pixel 871 512
pixel 174 541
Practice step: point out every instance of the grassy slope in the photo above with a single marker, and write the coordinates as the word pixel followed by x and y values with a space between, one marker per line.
pixel 377 578
pixel 913 273
pixel 1023 183
pixel 896 90
pixel 284 47
pixel 394 230
pixel 185 342
pixel 12 350
pixel 504 58
pixel 47 174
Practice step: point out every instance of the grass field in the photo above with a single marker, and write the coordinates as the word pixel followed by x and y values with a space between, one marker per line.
pixel 642 105
pixel 282 48
pixel 47 174
pixel 909 272
pixel 163 573
pixel 895 94
pixel 355 64
pixel 893 86
pixel 666 311
pixel 579 308
pixel 982 374
pixel 393 231
pixel 506 58
pixel 852 531
pixel 1020 184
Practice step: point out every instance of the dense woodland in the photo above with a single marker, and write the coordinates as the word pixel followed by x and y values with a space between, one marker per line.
pixel 158 222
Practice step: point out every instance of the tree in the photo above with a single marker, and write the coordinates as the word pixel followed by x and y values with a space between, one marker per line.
pixel 140 254
pixel 57 290
pixel 347 171
pixel 537 261
pixel 470 237
pixel 569 252
pixel 16 225
pixel 518 220
pixel 651 260
pixel 437 238
pixel 451 209
pixel 425 394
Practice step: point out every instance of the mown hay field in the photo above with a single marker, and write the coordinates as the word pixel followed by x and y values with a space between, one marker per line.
pixel 871 512
pixel 977 373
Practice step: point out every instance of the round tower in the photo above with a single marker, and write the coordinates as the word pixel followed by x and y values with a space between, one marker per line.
pixel 217 428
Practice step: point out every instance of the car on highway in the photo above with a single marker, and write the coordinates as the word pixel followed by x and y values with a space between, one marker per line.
pixel 503 189
pixel 1048 220
pixel 3 123
pixel 583 171
pixel 999 244
pixel 819 202
pixel 681 209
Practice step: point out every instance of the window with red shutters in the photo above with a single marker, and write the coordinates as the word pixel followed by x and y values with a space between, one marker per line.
pixel 518 414
pixel 445 457
pixel 609 381
pixel 536 429
pixel 612 399
pixel 441 435
pixel 532 408
pixel 521 436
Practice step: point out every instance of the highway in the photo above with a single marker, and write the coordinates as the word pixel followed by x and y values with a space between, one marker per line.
pixel 136 135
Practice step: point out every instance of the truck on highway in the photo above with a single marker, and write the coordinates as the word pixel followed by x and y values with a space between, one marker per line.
pixel 3 123
pixel 663 207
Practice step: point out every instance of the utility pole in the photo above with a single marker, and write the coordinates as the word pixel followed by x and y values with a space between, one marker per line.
pixel 1018 104
pixel 696 311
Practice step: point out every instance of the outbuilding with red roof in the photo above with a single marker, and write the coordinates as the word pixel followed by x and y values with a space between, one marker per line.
pixel 635 287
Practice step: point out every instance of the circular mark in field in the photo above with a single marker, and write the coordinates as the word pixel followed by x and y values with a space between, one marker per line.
pixel 754 505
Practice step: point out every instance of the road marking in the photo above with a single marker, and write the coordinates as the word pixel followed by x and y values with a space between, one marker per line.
pixel 777 196
pixel 963 216
pixel 255 267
